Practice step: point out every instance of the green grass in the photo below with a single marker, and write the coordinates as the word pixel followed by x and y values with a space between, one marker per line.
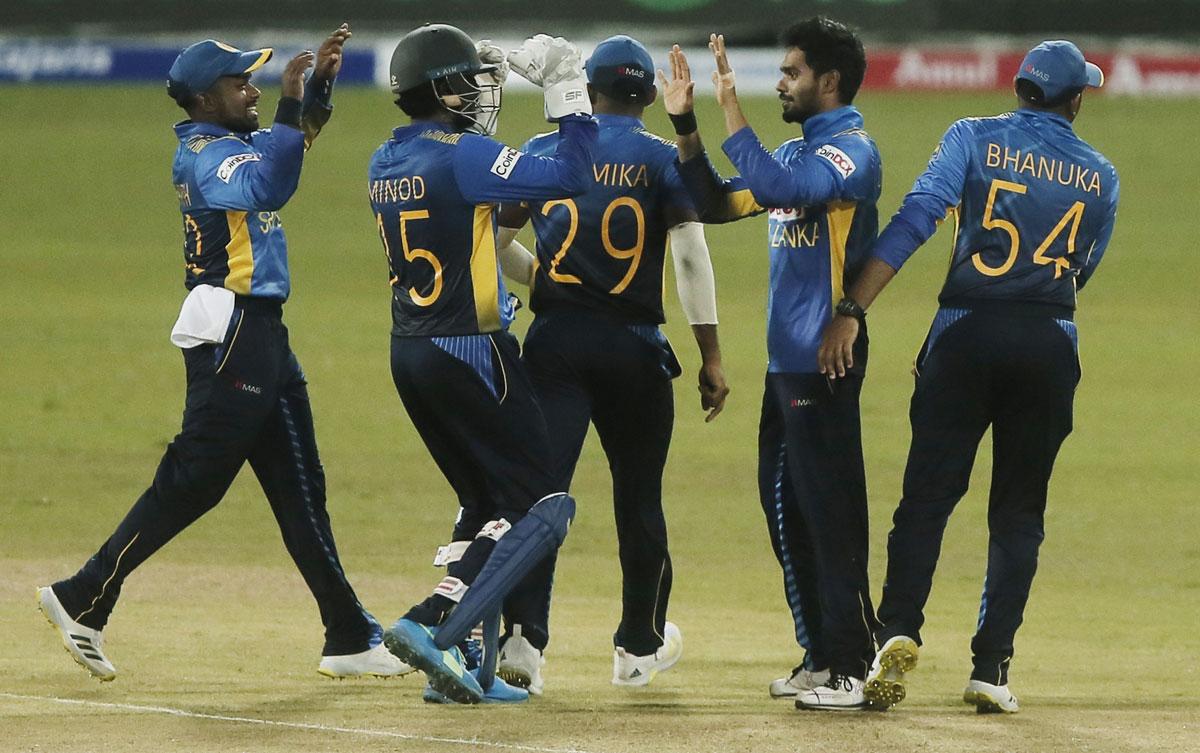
pixel 219 622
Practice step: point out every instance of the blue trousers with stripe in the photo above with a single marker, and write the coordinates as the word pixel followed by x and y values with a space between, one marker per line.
pixel 1012 367
pixel 812 485
pixel 247 401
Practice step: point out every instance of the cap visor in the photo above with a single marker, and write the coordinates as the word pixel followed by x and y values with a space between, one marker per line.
pixel 1095 76
pixel 252 60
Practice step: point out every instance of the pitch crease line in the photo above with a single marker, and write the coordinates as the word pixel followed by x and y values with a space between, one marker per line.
pixel 290 725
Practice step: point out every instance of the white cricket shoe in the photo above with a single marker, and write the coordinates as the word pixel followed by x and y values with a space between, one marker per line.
pixel 801 679
pixel 376 661
pixel 885 682
pixel 520 663
pixel 85 645
pixel 632 670
pixel 990 699
pixel 839 693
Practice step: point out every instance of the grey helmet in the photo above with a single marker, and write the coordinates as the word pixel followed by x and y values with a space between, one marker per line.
pixel 445 58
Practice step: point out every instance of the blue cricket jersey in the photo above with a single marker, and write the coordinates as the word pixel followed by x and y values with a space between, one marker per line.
pixel 230 188
pixel 434 192
pixel 821 192
pixel 1033 204
pixel 605 249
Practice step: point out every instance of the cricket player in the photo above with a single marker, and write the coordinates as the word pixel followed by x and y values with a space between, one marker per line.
pixel 247 399
pixel 435 187
pixel 820 191
pixel 596 354
pixel 1033 208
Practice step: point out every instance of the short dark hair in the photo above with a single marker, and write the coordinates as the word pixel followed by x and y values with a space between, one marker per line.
pixel 830 46
pixel 1032 94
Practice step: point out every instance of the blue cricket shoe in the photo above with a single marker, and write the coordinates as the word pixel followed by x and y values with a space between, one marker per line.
pixel 413 643
pixel 500 692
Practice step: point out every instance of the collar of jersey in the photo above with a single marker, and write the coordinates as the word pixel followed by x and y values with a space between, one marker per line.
pixel 828 123
pixel 420 126
pixel 187 128
pixel 1043 115
pixel 625 121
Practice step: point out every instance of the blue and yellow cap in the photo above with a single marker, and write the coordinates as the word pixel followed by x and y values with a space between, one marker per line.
pixel 621 67
pixel 199 66
pixel 1058 68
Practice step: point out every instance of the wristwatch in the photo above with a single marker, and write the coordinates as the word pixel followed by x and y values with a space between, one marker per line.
pixel 850 307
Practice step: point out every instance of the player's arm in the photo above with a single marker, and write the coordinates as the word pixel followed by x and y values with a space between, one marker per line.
pixel 1105 235
pixel 697 290
pixel 232 175
pixel 488 171
pixel 937 190
pixel 318 92
pixel 516 262
pixel 716 199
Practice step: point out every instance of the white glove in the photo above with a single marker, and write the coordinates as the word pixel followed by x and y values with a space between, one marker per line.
pixel 557 66
pixel 527 60
pixel 491 54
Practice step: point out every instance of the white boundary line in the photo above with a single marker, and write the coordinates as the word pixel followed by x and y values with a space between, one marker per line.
pixel 475 742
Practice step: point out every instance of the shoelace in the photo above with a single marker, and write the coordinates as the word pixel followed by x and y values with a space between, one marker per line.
pixel 839 682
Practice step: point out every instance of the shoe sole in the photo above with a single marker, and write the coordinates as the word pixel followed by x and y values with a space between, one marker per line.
pixel 887 689
pixel 515 677
pixel 801 706
pixel 66 644
pixel 984 704
pixel 360 675
pixel 440 679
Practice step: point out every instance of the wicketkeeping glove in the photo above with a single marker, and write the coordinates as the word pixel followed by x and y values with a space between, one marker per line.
pixel 557 66
pixel 491 54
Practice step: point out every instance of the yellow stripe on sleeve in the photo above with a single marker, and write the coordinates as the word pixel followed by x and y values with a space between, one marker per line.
pixel 485 272
pixel 841 217
pixel 742 204
pixel 240 252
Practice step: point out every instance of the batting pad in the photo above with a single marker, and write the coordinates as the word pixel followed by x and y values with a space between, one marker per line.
pixel 531 539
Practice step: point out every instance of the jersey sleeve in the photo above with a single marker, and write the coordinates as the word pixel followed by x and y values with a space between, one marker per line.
pixel 488 171
pixel 816 178
pixel 716 199
pixel 936 190
pixel 674 193
pixel 317 108
pixel 1104 236
pixel 260 176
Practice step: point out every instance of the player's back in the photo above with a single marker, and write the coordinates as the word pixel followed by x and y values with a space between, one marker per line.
pixel 440 246
pixel 605 249
pixel 1036 201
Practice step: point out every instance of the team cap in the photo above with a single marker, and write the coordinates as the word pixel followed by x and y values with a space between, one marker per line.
pixel 621 68
pixel 1058 68
pixel 199 66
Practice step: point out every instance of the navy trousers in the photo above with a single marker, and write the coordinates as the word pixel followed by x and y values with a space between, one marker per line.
pixel 1016 371
pixel 247 400
pixel 812 485
pixel 588 367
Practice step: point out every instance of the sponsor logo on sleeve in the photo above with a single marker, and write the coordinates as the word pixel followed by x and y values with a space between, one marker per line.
pixel 506 162
pixel 226 168
pixel 838 159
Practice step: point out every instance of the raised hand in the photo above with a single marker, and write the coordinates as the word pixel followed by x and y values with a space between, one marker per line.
pixel 293 74
pixel 678 91
pixel 723 78
pixel 528 60
pixel 329 54
pixel 491 54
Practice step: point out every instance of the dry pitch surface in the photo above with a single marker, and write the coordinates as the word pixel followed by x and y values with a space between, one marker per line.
pixel 217 642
